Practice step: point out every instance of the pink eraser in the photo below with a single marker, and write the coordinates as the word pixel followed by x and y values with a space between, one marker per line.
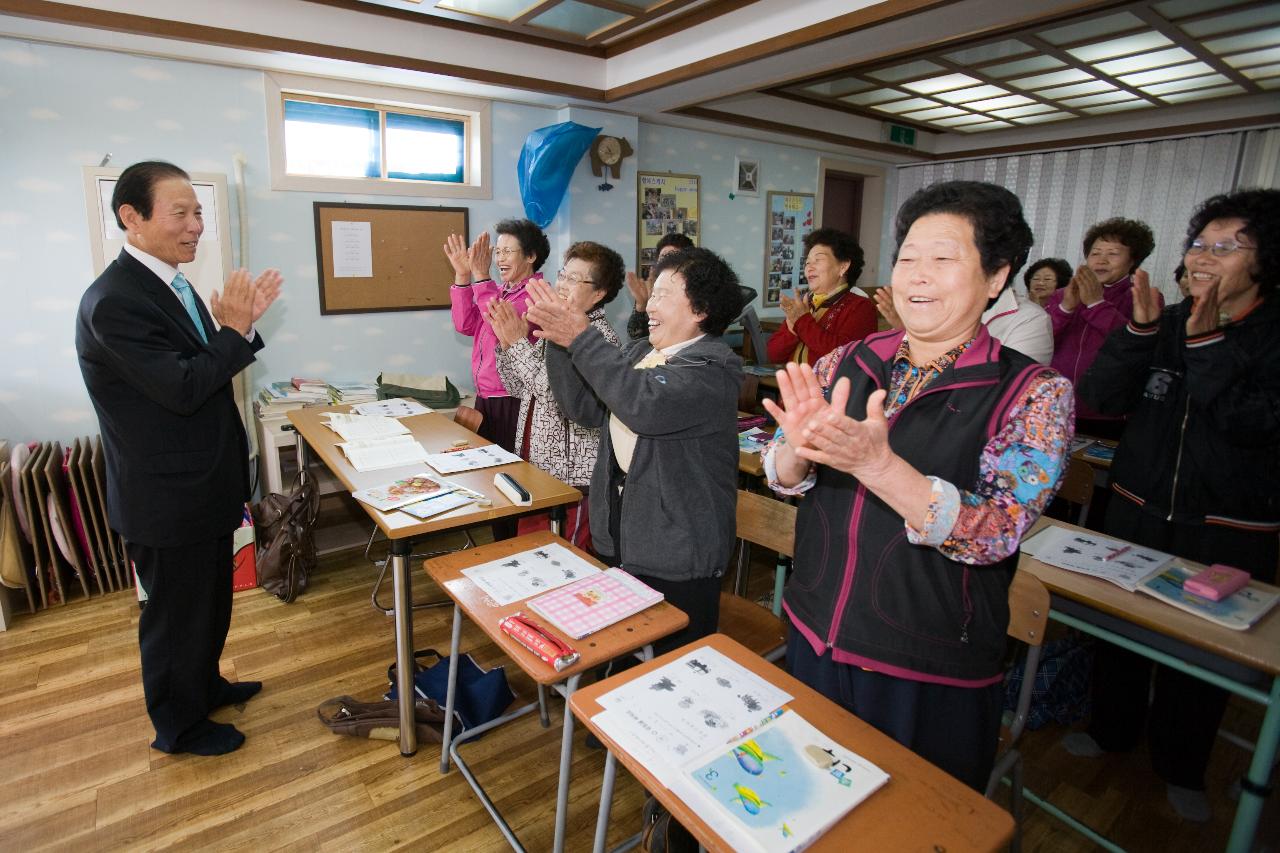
pixel 1216 582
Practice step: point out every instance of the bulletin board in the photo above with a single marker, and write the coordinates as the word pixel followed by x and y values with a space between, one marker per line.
pixel 384 257
pixel 669 204
pixel 790 221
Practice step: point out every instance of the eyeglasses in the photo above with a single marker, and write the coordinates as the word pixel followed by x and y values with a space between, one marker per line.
pixel 503 252
pixel 572 278
pixel 1220 249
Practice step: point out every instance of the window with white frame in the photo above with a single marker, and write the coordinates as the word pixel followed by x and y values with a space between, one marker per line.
pixel 375 139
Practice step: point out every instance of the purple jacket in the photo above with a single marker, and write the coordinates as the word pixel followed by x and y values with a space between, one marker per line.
pixel 468 318
pixel 1079 334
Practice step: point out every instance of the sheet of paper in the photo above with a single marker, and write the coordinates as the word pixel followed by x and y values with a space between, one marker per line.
pixel 372 454
pixel 356 427
pixel 470 459
pixel 1088 553
pixel 699 702
pixel 406 490
pixel 519 576
pixel 397 408
pixel 352 249
pixel 438 506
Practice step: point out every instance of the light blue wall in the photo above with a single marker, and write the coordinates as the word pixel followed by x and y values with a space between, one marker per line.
pixel 62 108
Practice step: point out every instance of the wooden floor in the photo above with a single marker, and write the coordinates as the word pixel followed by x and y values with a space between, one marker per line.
pixel 78 774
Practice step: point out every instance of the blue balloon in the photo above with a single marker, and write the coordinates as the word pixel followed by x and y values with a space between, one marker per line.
pixel 546 164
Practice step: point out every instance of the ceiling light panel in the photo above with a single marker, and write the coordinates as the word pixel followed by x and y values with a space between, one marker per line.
pixel 1094 100
pixel 1186 85
pixel 960 121
pixel 919 68
pixel 875 96
pixel 1056 78
pixel 906 106
pixel 1023 66
pixel 1120 107
pixel 1257 57
pixel 837 88
pixel 1038 119
pixel 999 103
pixel 1182 8
pixel 1119 47
pixel 1076 89
pixel 578 18
pixel 1258 72
pixel 503 9
pixel 940 84
pixel 973 93
pixel 989 52
pixel 981 126
pixel 1163 75
pixel 1019 112
pixel 937 113
pixel 1245 41
pixel 1094 28
pixel 1248 19
pixel 1130 64
pixel 1201 94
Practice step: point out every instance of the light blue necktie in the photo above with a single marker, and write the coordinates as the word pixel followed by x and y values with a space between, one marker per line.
pixel 188 297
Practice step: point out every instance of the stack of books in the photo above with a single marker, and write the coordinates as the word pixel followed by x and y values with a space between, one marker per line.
pixel 277 398
pixel 352 392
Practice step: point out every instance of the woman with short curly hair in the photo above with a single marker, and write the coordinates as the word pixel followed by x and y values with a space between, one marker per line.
pixel 1097 301
pixel 1197 472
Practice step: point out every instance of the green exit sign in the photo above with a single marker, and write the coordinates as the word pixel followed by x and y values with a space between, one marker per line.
pixel 900 135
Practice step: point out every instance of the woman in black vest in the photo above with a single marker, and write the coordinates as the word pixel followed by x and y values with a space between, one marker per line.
pixel 934 452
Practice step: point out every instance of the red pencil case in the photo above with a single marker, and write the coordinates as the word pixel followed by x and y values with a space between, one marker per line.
pixel 535 638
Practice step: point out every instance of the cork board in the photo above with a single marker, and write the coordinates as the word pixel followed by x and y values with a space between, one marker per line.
pixel 384 257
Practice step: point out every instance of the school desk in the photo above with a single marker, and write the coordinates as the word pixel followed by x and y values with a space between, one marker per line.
pixel 1246 663
pixel 919 808
pixel 622 638
pixel 436 433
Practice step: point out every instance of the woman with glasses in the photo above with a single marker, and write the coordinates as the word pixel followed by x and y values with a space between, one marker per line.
pixel 591 277
pixel 1197 472
pixel 1044 277
pixel 521 251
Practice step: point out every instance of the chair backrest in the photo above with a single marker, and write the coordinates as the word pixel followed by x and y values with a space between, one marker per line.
pixel 1077 486
pixel 747 394
pixel 469 418
pixel 1028 608
pixel 766 521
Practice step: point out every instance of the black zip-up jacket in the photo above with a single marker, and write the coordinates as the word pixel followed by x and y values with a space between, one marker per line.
pixel 1202 443
pixel 860 587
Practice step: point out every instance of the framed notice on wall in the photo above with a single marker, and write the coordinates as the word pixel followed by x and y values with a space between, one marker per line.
pixel 790 221
pixel 669 204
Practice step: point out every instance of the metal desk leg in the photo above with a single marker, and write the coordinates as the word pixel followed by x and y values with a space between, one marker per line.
pixel 557 520
pixel 542 707
pixel 1255 781
pixel 566 761
pixel 403 596
pixel 450 694
pixel 606 803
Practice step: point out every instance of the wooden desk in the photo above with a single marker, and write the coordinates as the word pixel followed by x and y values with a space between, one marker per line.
pixel 919 808
pixel 435 432
pixel 1149 627
pixel 635 632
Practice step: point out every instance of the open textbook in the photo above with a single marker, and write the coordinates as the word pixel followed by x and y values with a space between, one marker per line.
pixel 356 427
pixel 1147 571
pixel 715 734
pixel 370 454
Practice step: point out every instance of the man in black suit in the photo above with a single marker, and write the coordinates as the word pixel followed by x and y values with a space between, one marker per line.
pixel 159 374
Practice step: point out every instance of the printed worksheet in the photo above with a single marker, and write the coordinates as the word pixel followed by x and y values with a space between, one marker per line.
pixel 1084 551
pixel 699 701
pixel 519 576
pixel 400 407
pixel 471 458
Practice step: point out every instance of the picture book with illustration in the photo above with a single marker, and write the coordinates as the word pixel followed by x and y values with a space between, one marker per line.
pixel 595 602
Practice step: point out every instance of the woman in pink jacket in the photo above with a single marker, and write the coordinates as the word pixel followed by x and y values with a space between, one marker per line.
pixel 521 250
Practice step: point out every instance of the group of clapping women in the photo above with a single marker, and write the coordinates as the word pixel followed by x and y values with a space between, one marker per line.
pixel 924 453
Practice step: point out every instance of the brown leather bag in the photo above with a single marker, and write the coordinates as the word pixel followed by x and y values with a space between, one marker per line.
pixel 286 538
pixel 381 720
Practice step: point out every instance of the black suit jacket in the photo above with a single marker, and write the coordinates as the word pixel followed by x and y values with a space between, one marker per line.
pixel 175 448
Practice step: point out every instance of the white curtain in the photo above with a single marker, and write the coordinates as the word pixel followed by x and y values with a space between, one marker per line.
pixel 1160 183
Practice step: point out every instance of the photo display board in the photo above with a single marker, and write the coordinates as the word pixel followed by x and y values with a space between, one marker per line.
pixel 669 204
pixel 790 220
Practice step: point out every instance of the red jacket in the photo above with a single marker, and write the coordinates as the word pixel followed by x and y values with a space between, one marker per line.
pixel 849 318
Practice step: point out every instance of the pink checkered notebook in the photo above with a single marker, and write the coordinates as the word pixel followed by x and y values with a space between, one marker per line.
pixel 584 607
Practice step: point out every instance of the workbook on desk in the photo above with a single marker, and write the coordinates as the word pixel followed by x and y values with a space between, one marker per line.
pixel 714 733
pixel 1124 564
pixel 519 576
pixel 470 459
pixel 591 603
pixel 358 427
pixel 1237 611
pixel 372 454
